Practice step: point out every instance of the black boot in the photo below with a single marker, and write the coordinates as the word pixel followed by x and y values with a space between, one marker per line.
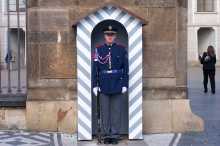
pixel 114 141
pixel 213 91
pixel 205 90
pixel 107 140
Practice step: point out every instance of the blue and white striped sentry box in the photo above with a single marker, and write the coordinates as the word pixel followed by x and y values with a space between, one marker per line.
pixel 133 26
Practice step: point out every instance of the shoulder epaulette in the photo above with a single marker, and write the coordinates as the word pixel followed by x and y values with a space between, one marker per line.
pixel 120 45
pixel 99 46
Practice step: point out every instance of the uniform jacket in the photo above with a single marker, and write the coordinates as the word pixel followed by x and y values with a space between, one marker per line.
pixel 110 68
pixel 209 63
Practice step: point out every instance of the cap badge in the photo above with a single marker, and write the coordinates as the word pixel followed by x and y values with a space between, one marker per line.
pixel 110 27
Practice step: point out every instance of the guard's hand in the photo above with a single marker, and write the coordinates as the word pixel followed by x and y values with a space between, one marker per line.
pixel 95 90
pixel 124 89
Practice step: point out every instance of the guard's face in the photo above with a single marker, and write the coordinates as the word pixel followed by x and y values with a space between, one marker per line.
pixel 110 38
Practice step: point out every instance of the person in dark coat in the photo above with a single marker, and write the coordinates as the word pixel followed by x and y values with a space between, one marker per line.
pixel 8 57
pixel 110 79
pixel 208 60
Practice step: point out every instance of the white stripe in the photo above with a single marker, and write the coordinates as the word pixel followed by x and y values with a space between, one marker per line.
pixel 135 78
pixel 132 25
pixel 135 92
pixel 41 137
pixel 135 50
pixel 84 78
pixel 94 18
pixel 124 18
pixel 85 37
pixel 84 50
pixel 83 118
pixel 86 107
pixel 115 13
pixel 84 132
pixel 135 64
pixel 45 134
pixel 135 132
pixel 84 91
pixel 87 25
pixel 177 139
pixel 55 140
pixel 135 105
pixel 83 63
pixel 134 36
pixel 135 119
pixel 104 14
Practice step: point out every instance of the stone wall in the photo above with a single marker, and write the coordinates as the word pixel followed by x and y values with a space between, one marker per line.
pixel 48 20
pixel 52 57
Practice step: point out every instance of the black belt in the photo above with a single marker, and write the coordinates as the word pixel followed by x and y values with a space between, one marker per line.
pixel 114 71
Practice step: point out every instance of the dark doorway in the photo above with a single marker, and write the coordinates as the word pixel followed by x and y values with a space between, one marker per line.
pixel 98 39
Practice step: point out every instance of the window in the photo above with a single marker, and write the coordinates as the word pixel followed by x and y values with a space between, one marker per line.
pixel 13 83
pixel 12 5
pixel 205 5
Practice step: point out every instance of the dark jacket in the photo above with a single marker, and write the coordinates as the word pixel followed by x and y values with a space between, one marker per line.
pixel 209 63
pixel 110 72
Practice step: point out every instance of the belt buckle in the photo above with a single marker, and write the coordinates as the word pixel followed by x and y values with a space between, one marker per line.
pixel 109 71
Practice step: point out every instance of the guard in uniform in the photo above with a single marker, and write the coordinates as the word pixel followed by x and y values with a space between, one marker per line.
pixel 110 79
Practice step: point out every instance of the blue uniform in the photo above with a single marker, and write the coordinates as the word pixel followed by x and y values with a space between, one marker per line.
pixel 110 68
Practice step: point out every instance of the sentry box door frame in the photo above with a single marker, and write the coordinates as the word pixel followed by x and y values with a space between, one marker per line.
pixel 133 25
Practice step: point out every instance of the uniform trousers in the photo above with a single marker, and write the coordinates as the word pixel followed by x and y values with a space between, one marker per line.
pixel 111 114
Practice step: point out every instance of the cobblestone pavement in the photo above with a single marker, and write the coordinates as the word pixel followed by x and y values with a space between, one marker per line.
pixel 21 138
pixel 206 106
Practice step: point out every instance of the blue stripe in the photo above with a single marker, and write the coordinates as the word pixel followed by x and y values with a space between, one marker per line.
pixel 83 124
pixel 82 110
pixel 135 28
pixel 83 98
pixel 86 86
pixel 137 68
pixel 90 21
pixel 98 16
pixel 136 124
pixel 112 10
pixel 82 69
pixel 135 43
pixel 129 21
pixel 131 115
pixel 138 54
pixel 82 55
pixel 85 30
pixel 78 38
pixel 135 99
pixel 118 18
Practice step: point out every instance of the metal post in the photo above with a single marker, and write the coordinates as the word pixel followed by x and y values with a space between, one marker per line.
pixel 8 49
pixel 3 8
pixel 19 47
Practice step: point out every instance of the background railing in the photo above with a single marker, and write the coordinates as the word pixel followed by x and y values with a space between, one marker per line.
pixel 13 53
pixel 14 7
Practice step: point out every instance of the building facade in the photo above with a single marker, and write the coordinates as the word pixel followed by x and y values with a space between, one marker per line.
pixel 56 47
pixel 203 27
